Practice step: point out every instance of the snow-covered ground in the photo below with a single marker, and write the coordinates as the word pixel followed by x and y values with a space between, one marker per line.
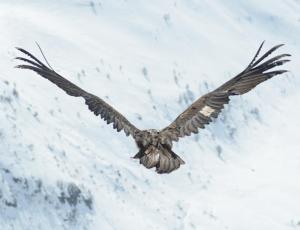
pixel 63 168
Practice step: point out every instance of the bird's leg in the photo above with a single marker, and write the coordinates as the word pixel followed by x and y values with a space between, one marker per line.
pixel 139 154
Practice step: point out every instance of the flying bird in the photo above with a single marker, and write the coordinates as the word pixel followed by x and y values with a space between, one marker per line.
pixel 155 146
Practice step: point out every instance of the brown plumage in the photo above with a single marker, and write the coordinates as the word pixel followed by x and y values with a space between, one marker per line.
pixel 155 146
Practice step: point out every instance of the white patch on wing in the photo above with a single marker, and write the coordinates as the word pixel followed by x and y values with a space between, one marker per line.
pixel 207 111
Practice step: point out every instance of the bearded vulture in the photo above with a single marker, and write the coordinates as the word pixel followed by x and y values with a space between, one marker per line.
pixel 155 146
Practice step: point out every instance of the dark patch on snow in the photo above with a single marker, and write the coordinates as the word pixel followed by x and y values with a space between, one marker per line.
pixel 64 200
pixel 145 73
pixel 72 195
pixel 255 113
pixel 11 204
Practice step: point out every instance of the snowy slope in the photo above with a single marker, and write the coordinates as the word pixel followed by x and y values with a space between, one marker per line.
pixel 63 168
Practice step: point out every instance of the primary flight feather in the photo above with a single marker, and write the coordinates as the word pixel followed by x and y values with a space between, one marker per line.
pixel 155 146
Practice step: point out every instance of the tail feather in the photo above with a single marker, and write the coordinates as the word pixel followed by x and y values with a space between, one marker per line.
pixel 150 158
pixel 163 159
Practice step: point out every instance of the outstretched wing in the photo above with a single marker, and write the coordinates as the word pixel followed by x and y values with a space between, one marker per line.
pixel 95 104
pixel 210 105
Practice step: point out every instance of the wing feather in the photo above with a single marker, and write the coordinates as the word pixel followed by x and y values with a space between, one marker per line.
pixel 209 106
pixel 94 103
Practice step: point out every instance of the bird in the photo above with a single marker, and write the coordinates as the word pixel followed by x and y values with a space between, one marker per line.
pixel 155 146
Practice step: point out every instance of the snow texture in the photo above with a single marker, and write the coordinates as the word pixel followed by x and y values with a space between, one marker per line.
pixel 63 168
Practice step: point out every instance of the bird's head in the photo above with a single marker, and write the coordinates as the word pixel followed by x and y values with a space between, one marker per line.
pixel 152 132
pixel 148 136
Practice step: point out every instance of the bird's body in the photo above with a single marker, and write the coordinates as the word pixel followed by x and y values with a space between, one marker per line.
pixel 154 152
pixel 155 146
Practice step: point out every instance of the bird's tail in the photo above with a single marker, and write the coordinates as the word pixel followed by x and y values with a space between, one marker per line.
pixel 162 158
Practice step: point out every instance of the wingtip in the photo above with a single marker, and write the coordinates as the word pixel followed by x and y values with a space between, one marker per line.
pixel 22 67
pixel 19 48
pixel 278 72
pixel 19 66
pixel 261 45
pixel 284 61
pixel 278 46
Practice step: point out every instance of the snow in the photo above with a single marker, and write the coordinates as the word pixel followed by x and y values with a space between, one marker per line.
pixel 63 168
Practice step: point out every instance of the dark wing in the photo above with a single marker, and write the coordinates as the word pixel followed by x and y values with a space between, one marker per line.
pixel 210 105
pixel 95 104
